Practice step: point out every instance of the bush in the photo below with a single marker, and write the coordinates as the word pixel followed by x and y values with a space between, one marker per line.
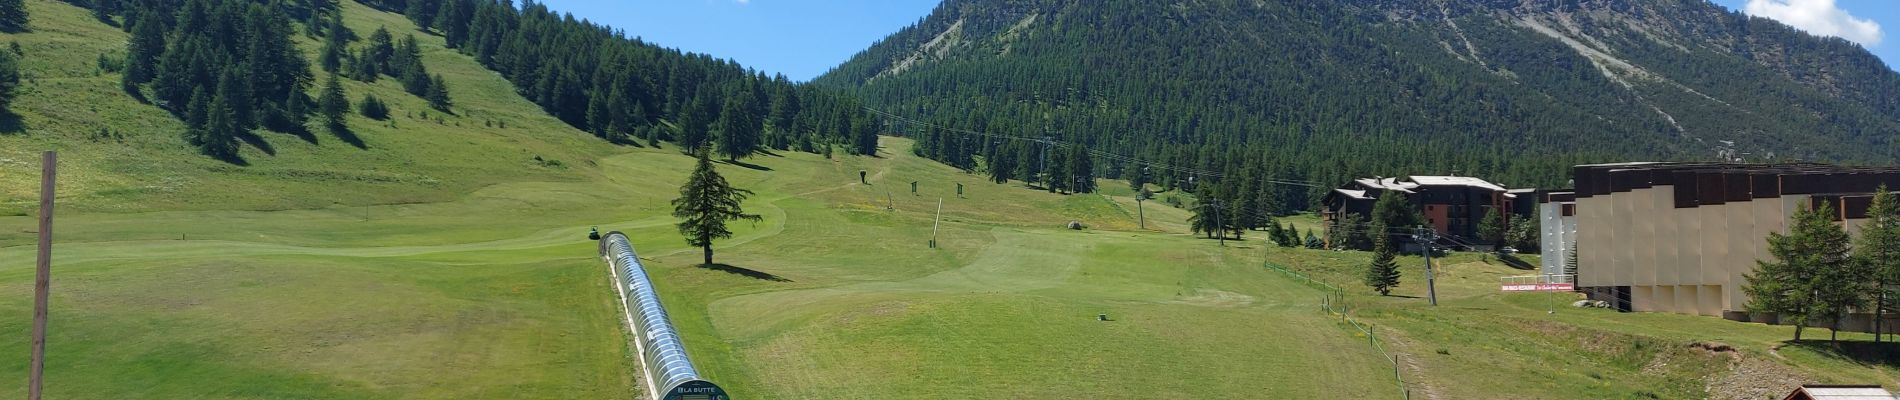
pixel 373 108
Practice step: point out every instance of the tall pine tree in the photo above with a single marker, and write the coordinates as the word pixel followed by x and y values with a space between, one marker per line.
pixel 738 128
pixel 1879 251
pixel 705 204
pixel 333 104
pixel 1794 284
pixel 1383 273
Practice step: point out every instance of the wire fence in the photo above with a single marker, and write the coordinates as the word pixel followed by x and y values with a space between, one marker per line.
pixel 1334 302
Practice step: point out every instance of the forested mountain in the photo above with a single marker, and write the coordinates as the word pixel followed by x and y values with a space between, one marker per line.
pixel 1324 90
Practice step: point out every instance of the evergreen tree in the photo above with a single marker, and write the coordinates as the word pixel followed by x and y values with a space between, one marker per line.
pixel 1383 273
pixel 196 113
pixel 1796 283
pixel 439 94
pixel 1001 166
pixel 13 16
pixel 452 20
pixel 1139 181
pixel 221 128
pixel 863 136
pixel 235 91
pixel 1206 217
pixel 381 48
pixel 705 204
pixel 422 12
pixel 1878 250
pixel 331 57
pixel 696 122
pixel 1391 213
pixel 142 51
pixel 372 108
pixel 9 78
pixel 1081 170
pixel 102 10
pixel 738 128
pixel 333 104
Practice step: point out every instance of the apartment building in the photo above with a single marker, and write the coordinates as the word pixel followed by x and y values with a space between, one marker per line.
pixel 1678 237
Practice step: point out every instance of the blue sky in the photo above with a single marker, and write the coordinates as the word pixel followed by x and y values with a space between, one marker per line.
pixel 804 38
pixel 1868 22
pixel 799 38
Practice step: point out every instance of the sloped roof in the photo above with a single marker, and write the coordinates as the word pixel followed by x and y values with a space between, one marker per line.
pixel 1829 392
pixel 1387 184
pixel 1427 180
pixel 1356 194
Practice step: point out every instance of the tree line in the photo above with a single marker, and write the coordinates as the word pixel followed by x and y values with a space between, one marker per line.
pixel 225 67
pixel 626 90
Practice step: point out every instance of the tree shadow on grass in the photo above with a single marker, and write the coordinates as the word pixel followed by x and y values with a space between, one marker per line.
pixel 303 133
pixel 746 272
pixel 251 138
pixel 750 166
pixel 1885 354
pixel 343 132
pixel 1512 261
pixel 10 123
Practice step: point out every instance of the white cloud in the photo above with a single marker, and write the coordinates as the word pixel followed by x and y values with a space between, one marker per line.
pixel 1820 17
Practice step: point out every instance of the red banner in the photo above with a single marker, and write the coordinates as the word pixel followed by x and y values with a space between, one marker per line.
pixel 1541 287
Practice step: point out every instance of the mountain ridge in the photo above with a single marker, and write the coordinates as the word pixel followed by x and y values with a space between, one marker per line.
pixel 1506 88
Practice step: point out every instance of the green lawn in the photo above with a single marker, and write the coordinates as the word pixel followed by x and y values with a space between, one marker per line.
pixel 1480 342
pixel 442 262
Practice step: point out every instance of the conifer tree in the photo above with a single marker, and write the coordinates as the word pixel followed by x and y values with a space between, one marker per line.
pixel 142 51
pixel 1383 273
pixel 705 204
pixel 381 48
pixel 1002 165
pixel 331 56
pixel 196 114
pixel 222 128
pixel 372 108
pixel 333 104
pixel 236 93
pixel 696 122
pixel 13 16
pixel 1795 284
pixel 1878 250
pixel 439 94
pixel 102 10
pixel 1206 217
pixel 9 77
pixel 737 129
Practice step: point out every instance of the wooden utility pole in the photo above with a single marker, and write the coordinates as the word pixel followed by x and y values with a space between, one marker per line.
pixel 1140 214
pixel 42 275
pixel 934 225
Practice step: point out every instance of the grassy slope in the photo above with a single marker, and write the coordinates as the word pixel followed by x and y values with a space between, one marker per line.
pixel 65 102
pixel 1535 345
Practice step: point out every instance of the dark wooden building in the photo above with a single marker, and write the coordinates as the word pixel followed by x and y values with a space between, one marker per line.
pixel 1452 205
